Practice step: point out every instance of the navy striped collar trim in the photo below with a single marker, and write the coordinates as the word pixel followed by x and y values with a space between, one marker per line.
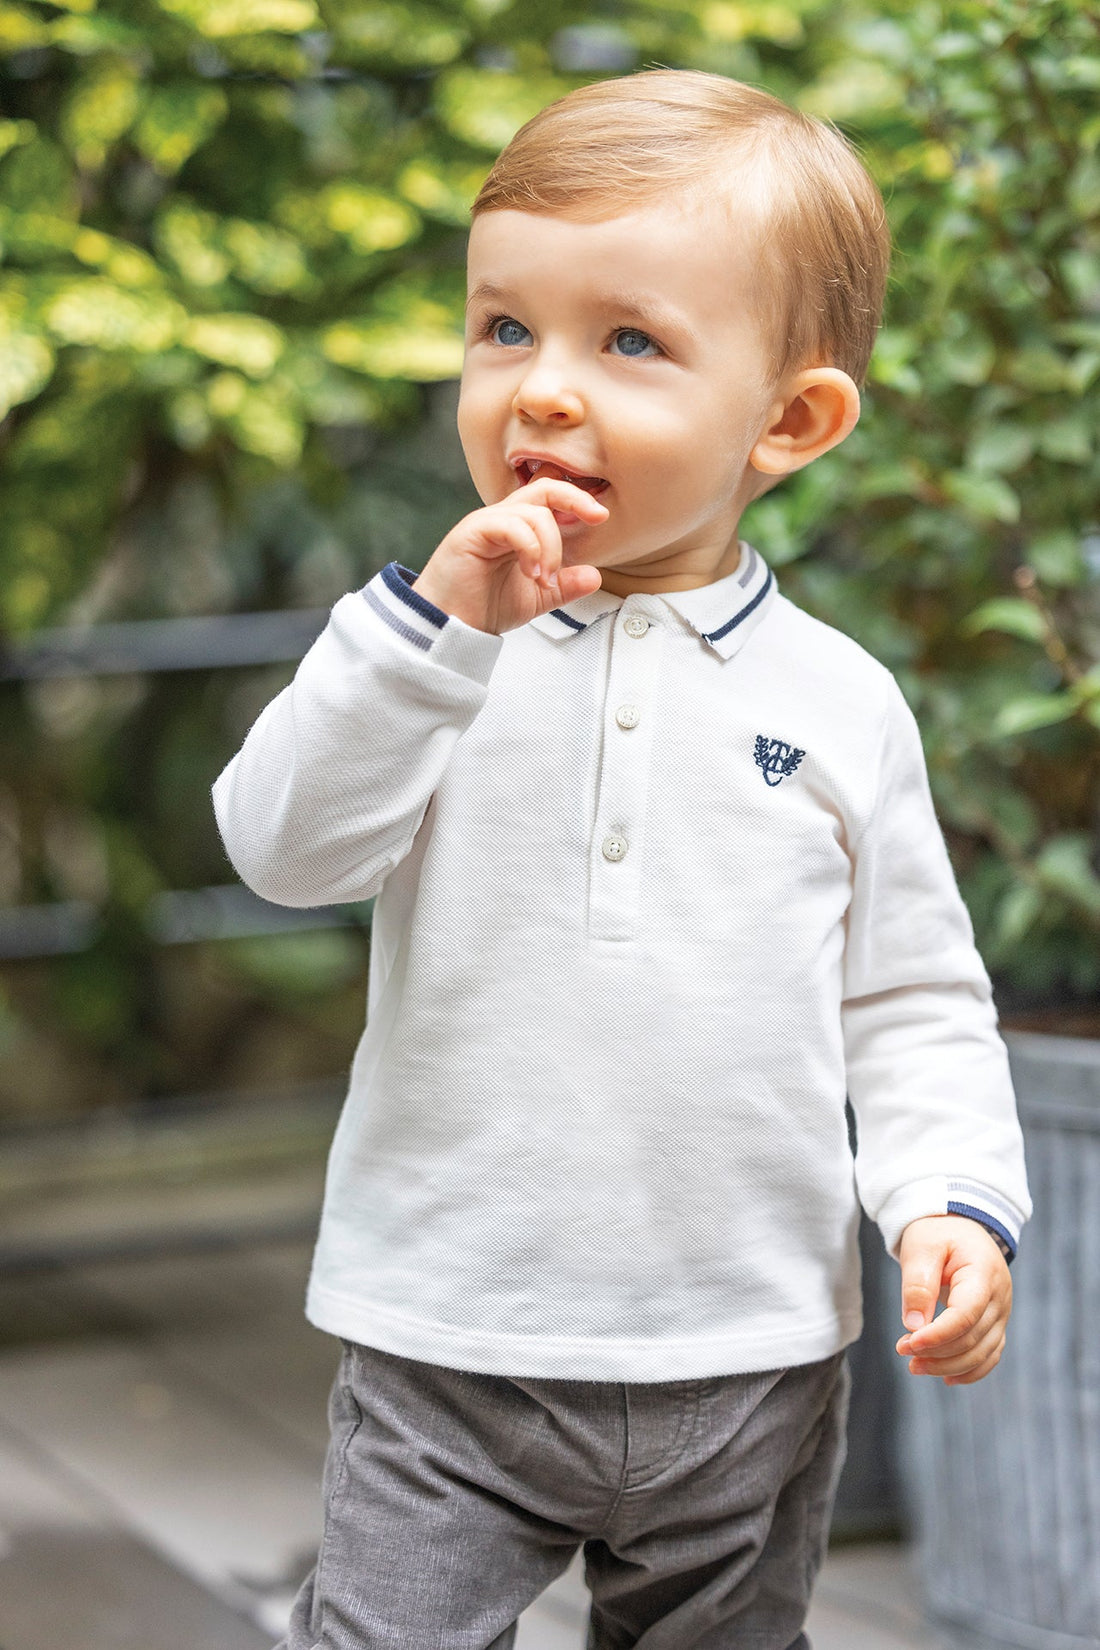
pixel 723 614
pixel 576 616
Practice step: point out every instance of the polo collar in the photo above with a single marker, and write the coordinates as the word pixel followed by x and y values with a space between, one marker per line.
pixel 574 617
pixel 723 614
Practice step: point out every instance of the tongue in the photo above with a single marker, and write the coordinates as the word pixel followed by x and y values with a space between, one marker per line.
pixel 554 472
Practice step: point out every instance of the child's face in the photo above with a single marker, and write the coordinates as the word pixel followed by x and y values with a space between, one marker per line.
pixel 625 352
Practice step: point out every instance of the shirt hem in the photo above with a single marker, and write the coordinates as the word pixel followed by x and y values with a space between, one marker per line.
pixel 578 1357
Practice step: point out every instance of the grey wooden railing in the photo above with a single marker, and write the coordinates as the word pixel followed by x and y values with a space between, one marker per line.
pixel 154 646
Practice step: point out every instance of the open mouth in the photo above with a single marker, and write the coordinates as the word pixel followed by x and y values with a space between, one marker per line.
pixel 528 468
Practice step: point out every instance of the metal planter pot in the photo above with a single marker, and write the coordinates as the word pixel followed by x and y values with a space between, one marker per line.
pixel 1005 1475
pixel 869 1500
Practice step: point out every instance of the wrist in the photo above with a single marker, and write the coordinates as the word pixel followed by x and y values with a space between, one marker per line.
pixel 996 1238
pixel 969 1220
pixel 434 590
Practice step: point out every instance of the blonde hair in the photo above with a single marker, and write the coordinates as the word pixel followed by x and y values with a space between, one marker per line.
pixel 824 247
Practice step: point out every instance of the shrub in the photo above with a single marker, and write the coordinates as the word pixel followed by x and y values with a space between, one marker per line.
pixel 232 236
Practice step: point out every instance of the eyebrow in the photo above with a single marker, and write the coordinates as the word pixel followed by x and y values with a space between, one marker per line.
pixel 625 305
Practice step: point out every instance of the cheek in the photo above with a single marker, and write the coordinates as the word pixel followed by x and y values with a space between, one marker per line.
pixel 476 430
pixel 674 457
pixel 467 417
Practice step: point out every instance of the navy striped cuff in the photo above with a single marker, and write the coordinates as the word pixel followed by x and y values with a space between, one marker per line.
pixel 390 595
pixel 980 1204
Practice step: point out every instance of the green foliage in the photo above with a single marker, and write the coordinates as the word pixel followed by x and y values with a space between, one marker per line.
pixel 231 238
pixel 969 561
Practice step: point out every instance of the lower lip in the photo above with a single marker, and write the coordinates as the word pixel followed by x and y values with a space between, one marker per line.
pixel 569 525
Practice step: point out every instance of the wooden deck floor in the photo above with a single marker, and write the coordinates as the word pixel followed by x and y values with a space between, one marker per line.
pixel 162 1429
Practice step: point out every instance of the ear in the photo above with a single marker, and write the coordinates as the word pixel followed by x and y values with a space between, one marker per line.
pixel 815 410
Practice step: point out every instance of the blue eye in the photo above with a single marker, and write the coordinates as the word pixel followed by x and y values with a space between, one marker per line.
pixel 509 332
pixel 631 342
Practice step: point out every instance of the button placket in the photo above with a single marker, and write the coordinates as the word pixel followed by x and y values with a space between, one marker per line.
pixel 634 660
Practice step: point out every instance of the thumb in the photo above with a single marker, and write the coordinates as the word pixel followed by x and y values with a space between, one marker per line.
pixel 922 1263
pixel 572 582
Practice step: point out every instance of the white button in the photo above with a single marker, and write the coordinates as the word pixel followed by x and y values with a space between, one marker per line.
pixel 614 847
pixel 636 625
pixel 628 716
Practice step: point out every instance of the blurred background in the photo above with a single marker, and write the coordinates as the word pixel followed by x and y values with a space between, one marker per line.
pixel 232 235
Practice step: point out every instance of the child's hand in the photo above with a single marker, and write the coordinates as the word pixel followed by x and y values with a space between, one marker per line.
pixel 502 566
pixel 953 1258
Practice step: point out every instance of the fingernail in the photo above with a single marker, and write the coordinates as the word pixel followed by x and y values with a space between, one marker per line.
pixel 913 1320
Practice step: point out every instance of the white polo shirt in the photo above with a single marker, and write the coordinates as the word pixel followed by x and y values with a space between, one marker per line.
pixel 659 882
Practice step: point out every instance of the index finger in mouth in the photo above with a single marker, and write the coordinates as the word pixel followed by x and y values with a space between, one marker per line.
pixel 561 494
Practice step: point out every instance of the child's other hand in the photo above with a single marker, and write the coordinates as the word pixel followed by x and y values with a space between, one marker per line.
pixel 952 1258
pixel 502 565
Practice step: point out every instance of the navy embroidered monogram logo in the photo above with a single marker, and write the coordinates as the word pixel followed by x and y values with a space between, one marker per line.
pixel 777 758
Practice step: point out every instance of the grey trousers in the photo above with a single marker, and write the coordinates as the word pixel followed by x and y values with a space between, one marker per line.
pixel 452 1500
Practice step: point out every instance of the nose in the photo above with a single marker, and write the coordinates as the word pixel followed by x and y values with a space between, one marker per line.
pixel 548 394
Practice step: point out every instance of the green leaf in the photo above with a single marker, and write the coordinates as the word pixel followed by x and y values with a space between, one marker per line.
pixel 221 19
pixel 189 238
pixel 986 498
pixel 247 342
pixel 87 36
pixel 20 29
pixel 264 421
pixel 1000 447
pixel 731 20
pixel 892 362
pixel 1068 440
pixel 371 221
pixel 101 108
pixel 486 108
pixel 1080 331
pixel 1082 370
pixel 1083 71
pixel 1056 556
pixel 969 360
pixel 854 91
pixel 441 190
pixel 124 263
pixel 1064 866
pixel 1032 711
pixel 97 312
pixel 1038 368
pixel 1083 188
pixel 37 176
pixel 1017 915
pixel 15 132
pixel 266 259
pixel 383 351
pixel 176 121
pixel 414 36
pixel 1008 614
pixel 26 365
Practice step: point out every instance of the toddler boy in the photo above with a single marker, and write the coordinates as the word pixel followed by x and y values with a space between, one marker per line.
pixel 659 884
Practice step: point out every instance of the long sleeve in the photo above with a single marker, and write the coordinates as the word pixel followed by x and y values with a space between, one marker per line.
pixel 927 1071
pixel 331 785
